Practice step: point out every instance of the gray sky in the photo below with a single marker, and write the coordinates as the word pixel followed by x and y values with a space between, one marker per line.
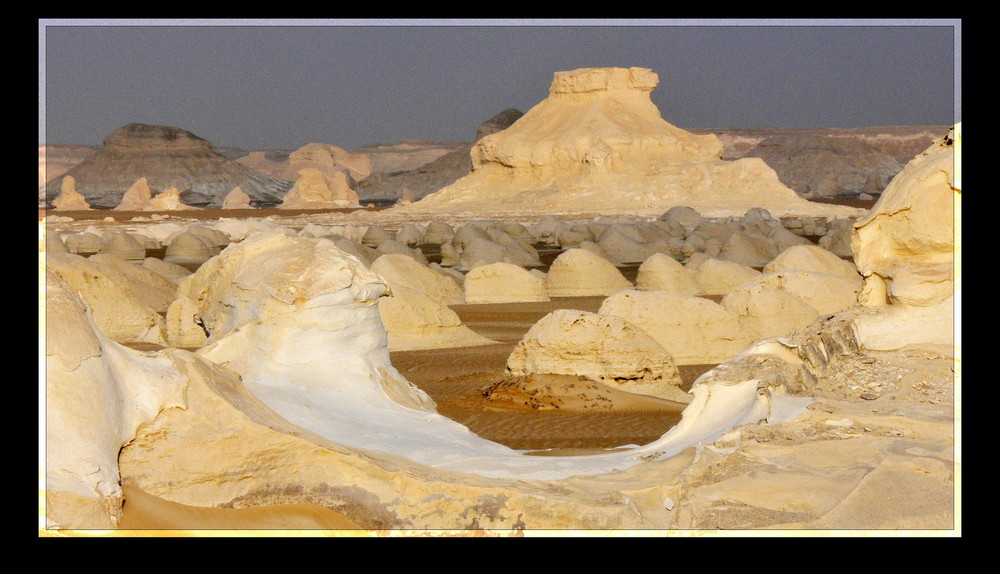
pixel 281 84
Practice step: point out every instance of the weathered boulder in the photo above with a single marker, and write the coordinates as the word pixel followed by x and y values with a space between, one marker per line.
pixel 604 348
pixel 415 321
pixel 400 270
pixel 115 300
pixel 813 258
pixel 664 273
pixel 718 277
pixel 503 283
pixel 693 330
pixel 767 310
pixel 577 273
pixel 905 250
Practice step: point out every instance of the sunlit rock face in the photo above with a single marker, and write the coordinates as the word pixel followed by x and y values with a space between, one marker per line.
pixel 598 143
pixel 905 250
pixel 69 198
pixel 315 189
pixel 275 303
pixel 604 348
pixel 97 395
pixel 167 157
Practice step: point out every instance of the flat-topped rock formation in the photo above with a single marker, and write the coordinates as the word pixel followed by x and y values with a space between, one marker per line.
pixel 167 157
pixel 599 144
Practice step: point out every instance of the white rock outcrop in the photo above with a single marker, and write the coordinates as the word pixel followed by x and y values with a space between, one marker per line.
pixel 114 299
pixel 503 283
pixel 905 248
pixel 580 273
pixel 69 198
pixel 402 271
pixel 693 330
pixel 663 272
pixel 598 144
pixel 315 189
pixel 137 197
pixel 603 348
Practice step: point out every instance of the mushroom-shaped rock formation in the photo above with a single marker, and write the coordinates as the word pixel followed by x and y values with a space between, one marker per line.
pixel 599 144
pixel 604 348
pixel 905 250
pixel 693 330
pixel 503 283
pixel 190 248
pixel 578 272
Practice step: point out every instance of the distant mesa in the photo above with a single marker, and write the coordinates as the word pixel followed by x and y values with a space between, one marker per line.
pixel 599 144
pixel 167 157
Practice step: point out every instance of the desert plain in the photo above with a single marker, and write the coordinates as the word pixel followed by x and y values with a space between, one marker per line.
pixel 611 338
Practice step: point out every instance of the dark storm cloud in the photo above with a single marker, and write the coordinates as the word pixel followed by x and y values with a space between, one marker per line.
pixel 283 86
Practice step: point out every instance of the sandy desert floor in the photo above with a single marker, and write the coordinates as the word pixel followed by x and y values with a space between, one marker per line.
pixel 469 386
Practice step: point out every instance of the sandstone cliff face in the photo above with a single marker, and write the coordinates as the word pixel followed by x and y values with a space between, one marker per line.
pixel 167 157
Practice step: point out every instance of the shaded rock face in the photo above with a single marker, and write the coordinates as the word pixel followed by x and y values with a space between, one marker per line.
pixel 815 161
pixel 827 167
pixel 438 173
pixel 167 157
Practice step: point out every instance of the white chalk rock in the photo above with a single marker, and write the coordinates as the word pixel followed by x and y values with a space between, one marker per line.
pixel 578 272
pixel 603 348
pixel 825 292
pixel 503 283
pixel 415 321
pixel 114 299
pixel 97 394
pixel 400 270
pixel 905 249
pixel 663 272
pixel 813 258
pixel 236 199
pixel 137 197
pixel 69 198
pixel 167 200
pixel 766 310
pixel 693 330
pixel 719 277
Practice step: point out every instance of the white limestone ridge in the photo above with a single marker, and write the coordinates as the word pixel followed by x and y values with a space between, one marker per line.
pixel 599 144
